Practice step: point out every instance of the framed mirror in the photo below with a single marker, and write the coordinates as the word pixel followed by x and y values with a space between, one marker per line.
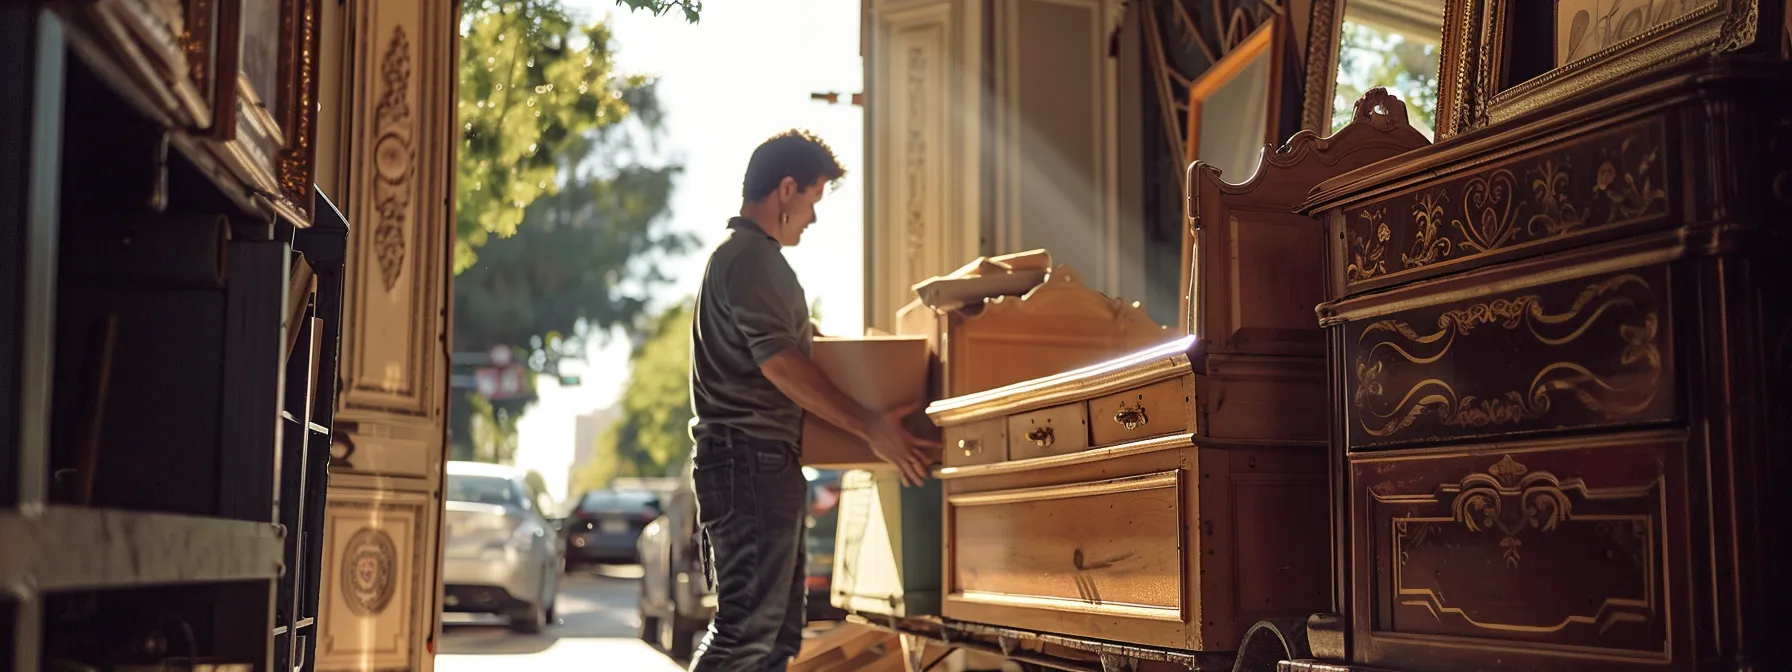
pixel 1233 107
pixel 1358 45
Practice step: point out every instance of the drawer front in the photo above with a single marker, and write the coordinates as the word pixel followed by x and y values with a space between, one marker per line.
pixel 1564 548
pixel 1593 187
pixel 1594 351
pixel 1052 431
pixel 1109 547
pixel 1153 410
pixel 980 442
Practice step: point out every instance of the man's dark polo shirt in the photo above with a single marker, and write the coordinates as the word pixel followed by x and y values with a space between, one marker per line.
pixel 749 308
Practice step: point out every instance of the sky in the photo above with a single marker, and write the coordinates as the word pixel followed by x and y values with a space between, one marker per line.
pixel 739 76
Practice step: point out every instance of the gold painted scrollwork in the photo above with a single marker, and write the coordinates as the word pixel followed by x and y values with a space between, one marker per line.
pixel 1633 392
pixel 1481 504
pixel 1516 502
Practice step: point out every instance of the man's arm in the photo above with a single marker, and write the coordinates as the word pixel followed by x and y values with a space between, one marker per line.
pixel 760 291
pixel 800 379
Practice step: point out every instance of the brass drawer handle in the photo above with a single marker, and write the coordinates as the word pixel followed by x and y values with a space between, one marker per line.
pixel 971 447
pixel 1131 418
pixel 1041 437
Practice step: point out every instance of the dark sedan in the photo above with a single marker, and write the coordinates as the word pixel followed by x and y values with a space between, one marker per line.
pixel 603 526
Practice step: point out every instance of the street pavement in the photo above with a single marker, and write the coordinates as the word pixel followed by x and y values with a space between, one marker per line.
pixel 598 631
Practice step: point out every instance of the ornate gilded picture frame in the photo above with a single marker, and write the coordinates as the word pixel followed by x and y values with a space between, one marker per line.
pixel 1610 41
pixel 266 126
pixel 170 47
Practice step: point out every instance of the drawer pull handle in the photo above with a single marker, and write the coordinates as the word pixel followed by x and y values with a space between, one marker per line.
pixel 971 447
pixel 1131 418
pixel 1041 437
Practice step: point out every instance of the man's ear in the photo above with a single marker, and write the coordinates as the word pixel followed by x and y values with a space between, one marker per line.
pixel 787 188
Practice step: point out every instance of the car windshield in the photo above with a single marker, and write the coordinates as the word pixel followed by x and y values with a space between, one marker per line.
pixel 482 490
pixel 616 500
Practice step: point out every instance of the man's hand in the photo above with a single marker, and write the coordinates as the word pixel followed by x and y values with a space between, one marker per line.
pixel 798 378
pixel 893 442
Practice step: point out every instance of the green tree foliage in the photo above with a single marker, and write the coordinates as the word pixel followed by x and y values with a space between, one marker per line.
pixel 531 82
pixel 583 262
pixel 653 436
pixel 690 8
pixel 1368 58
pixel 559 228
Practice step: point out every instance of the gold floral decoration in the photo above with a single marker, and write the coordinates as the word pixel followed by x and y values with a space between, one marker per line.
pixel 1630 197
pixel 1429 243
pixel 1366 254
pixel 1558 214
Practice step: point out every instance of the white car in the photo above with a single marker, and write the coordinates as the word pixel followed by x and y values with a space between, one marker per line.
pixel 501 554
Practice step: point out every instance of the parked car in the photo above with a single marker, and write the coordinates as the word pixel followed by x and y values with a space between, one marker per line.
pixel 500 550
pixel 676 602
pixel 603 525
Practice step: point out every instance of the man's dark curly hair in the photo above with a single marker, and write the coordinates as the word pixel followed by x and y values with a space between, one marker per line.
pixel 795 154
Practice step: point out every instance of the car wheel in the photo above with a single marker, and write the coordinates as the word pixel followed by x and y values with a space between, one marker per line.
pixel 650 625
pixel 529 620
pixel 676 636
pixel 552 579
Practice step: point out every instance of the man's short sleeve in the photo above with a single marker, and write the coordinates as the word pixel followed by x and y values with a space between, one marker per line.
pixel 761 289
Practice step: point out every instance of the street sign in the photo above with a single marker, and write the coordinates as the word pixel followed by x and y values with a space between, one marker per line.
pixel 502 382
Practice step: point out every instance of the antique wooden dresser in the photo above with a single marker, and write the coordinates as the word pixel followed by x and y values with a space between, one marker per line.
pixel 1558 346
pixel 997 320
pixel 1173 496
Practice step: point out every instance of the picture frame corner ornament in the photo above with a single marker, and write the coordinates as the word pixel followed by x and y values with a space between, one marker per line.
pixel 1740 26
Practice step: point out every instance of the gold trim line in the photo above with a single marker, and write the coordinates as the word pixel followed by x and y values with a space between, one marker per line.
pixel 1170 614
pixel 1375 305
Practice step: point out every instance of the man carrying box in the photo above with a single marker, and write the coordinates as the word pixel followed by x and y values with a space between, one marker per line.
pixel 751 382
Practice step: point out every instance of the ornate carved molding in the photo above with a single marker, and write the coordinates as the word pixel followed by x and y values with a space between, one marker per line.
pixel 915 226
pixel 394 160
pixel 369 571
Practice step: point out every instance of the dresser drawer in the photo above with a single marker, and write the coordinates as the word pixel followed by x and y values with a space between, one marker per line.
pixel 1048 431
pixel 1111 547
pixel 980 442
pixel 1153 410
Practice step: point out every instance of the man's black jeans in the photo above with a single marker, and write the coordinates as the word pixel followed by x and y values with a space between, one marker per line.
pixel 751 497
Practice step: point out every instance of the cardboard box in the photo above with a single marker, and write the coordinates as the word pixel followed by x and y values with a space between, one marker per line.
pixel 879 372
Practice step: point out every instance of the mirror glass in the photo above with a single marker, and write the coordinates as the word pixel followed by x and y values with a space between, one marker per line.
pixel 1230 107
pixel 1396 44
